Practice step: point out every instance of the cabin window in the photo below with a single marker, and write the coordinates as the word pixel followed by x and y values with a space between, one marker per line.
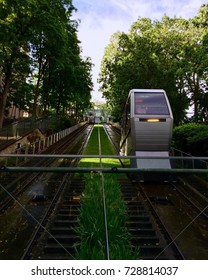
pixel 150 104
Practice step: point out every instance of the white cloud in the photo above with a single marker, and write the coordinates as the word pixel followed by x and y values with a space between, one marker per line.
pixel 100 19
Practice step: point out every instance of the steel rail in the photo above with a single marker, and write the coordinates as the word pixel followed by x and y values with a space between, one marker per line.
pixel 104 201
pixel 100 169
pixel 97 156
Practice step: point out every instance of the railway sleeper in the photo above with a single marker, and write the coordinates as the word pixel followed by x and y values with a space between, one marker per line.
pixel 132 208
pixel 134 204
pixel 139 224
pixel 71 203
pixel 135 218
pixel 145 240
pixel 65 222
pixel 74 206
pixel 65 216
pixel 130 197
pixel 141 232
pixel 63 230
pixel 77 188
pixel 70 212
pixel 58 249
pixel 149 251
pixel 73 194
pixel 127 192
pixel 137 213
pixel 75 199
pixel 63 239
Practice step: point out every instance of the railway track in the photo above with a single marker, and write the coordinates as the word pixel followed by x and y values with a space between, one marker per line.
pixel 152 230
pixel 159 199
pixel 38 213
pixel 186 225
pixel 55 237
pixel 15 184
pixel 196 200
pixel 148 232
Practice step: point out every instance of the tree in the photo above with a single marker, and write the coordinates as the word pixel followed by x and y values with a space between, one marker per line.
pixel 200 98
pixel 134 60
pixel 50 42
pixel 15 30
pixel 166 54
pixel 39 52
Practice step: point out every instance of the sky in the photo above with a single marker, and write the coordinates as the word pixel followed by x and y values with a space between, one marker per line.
pixel 99 19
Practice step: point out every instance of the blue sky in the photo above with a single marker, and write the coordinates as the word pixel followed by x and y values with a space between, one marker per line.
pixel 101 18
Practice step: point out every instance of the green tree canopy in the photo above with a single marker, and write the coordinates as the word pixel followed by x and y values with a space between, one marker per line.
pixel 170 54
pixel 40 57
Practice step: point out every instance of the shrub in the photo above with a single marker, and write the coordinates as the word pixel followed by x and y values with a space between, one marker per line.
pixel 191 138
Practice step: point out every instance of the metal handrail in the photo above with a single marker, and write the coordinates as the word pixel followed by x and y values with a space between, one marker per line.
pixel 98 156
pixel 99 170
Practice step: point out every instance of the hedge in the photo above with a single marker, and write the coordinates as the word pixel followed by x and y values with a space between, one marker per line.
pixel 191 138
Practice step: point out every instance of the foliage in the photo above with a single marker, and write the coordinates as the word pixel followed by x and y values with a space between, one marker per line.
pixel 169 54
pixel 40 57
pixel 60 123
pixel 191 138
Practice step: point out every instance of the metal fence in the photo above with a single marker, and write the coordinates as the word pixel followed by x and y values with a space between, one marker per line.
pixel 16 130
pixel 23 153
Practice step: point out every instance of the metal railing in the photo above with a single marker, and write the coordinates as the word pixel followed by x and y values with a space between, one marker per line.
pixel 18 129
pixel 38 146
pixel 185 160
pixel 195 165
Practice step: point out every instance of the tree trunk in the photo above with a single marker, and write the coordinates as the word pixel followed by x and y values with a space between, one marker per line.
pixel 41 70
pixel 2 107
pixel 36 94
pixel 4 94
pixel 46 95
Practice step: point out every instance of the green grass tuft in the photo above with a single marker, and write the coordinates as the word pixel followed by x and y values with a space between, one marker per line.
pixel 91 227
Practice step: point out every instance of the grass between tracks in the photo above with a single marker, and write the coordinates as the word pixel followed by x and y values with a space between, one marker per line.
pixel 91 227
